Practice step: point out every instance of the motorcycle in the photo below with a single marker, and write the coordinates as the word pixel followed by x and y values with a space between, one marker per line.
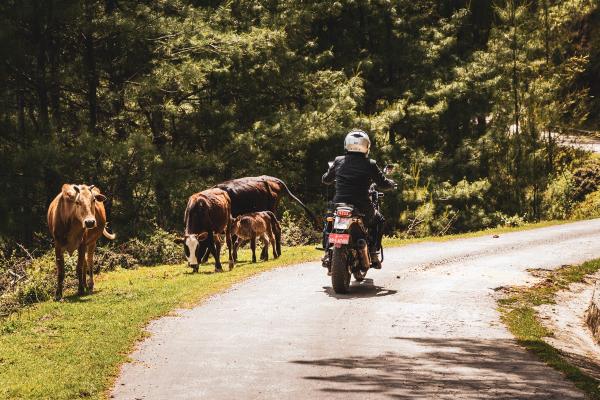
pixel 346 242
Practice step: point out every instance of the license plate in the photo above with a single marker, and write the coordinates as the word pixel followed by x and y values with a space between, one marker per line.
pixel 339 238
pixel 342 223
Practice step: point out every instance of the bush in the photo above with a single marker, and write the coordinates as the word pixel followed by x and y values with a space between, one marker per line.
pixel 559 196
pixel 158 248
pixel 586 179
pixel 503 220
pixel 297 231
pixel 25 280
pixel 589 207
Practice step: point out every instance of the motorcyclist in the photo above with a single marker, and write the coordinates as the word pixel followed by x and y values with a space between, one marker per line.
pixel 353 174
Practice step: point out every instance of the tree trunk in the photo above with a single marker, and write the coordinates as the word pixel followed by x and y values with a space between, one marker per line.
pixel 90 66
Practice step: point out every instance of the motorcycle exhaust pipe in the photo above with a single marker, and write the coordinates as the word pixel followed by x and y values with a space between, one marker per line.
pixel 363 252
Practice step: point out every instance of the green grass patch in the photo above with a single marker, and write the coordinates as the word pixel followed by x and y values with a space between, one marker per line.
pixel 519 314
pixel 395 242
pixel 74 349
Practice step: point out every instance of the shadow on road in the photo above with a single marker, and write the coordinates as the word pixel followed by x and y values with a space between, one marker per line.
pixel 446 368
pixel 362 289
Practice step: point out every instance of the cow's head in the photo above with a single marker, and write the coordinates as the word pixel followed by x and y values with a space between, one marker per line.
pixel 81 200
pixel 195 247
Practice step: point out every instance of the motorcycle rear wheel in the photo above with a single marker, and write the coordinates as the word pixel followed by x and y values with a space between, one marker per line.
pixel 340 275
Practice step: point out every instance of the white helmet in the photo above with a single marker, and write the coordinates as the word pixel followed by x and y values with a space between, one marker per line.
pixel 357 141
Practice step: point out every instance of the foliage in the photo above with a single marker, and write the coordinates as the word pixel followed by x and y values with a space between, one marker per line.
pixel 297 231
pixel 559 196
pixel 158 248
pixel 589 207
pixel 153 101
pixel 586 178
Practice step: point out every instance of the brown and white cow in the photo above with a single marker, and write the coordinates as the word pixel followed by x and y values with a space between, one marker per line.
pixel 207 215
pixel 261 225
pixel 77 219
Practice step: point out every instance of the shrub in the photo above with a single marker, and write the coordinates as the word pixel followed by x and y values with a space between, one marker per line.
pixel 589 207
pixel 586 179
pixel 158 248
pixel 297 231
pixel 559 196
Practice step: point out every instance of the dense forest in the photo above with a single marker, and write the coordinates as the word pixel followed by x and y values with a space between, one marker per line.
pixel 154 100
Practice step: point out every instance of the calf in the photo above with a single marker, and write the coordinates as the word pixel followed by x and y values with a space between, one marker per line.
pixel 77 219
pixel 207 214
pixel 259 193
pixel 262 225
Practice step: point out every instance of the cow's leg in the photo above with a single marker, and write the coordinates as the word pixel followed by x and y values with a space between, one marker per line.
pixel 253 247
pixel 238 242
pixel 60 272
pixel 236 246
pixel 205 258
pixel 81 284
pixel 265 243
pixel 263 254
pixel 90 266
pixel 273 241
pixel 213 250
pixel 229 249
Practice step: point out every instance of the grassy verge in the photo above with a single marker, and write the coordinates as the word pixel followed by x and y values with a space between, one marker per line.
pixel 395 242
pixel 518 313
pixel 74 349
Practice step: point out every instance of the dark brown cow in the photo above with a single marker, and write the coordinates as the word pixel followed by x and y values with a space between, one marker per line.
pixel 76 219
pixel 208 214
pixel 258 193
pixel 262 225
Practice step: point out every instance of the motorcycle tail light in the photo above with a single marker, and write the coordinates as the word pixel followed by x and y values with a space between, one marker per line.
pixel 343 213
pixel 329 219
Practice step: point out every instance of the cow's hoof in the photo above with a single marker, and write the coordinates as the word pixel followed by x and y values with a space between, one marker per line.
pixel 80 292
pixel 58 298
pixel 90 289
pixel 231 265
pixel 218 269
pixel 195 270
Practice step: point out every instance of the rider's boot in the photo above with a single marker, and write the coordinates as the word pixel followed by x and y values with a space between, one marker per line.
pixel 326 263
pixel 375 261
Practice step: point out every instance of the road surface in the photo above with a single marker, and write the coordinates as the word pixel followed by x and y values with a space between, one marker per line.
pixel 426 326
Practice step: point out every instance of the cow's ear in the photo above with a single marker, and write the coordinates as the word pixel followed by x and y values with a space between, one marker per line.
pixel 99 197
pixel 202 236
pixel 179 240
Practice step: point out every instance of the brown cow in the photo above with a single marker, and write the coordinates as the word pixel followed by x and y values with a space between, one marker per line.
pixel 262 225
pixel 77 219
pixel 208 214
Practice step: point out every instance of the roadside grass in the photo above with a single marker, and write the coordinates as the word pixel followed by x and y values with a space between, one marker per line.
pixel 73 349
pixel 519 314
pixel 395 242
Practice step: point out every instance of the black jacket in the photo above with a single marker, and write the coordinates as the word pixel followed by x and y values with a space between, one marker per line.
pixel 353 174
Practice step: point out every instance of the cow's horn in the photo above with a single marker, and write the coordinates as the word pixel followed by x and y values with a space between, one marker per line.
pixel 78 190
pixel 91 187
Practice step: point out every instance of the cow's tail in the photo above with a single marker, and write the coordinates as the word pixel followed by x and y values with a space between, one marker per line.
pixel 310 213
pixel 108 235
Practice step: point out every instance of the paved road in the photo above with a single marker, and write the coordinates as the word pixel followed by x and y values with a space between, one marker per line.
pixel 426 326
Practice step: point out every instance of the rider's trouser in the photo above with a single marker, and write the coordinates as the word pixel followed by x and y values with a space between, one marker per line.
pixel 375 222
